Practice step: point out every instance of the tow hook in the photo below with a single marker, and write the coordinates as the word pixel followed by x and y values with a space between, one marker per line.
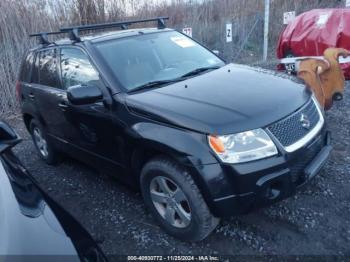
pixel 272 193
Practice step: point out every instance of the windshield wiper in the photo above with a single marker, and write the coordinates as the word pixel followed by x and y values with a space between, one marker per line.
pixel 157 83
pixel 200 70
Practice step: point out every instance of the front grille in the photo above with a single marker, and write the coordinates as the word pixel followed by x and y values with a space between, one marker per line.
pixel 300 163
pixel 290 130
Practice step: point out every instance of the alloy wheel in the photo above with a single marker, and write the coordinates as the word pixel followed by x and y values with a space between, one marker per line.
pixel 170 201
pixel 40 142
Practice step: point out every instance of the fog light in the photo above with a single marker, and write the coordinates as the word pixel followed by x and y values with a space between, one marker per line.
pixel 272 192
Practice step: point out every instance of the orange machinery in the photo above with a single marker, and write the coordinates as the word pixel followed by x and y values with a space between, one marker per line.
pixel 323 75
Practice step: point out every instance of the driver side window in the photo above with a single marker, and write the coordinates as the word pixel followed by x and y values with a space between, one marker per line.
pixel 76 69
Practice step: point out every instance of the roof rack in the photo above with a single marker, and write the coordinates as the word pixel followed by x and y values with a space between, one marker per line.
pixel 74 30
pixel 43 39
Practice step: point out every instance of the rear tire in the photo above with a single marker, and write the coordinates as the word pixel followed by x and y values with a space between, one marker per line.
pixel 42 144
pixel 175 201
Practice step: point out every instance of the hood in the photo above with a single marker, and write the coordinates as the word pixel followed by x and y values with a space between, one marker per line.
pixel 228 100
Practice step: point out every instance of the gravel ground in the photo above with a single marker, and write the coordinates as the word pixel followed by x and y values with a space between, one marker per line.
pixel 316 221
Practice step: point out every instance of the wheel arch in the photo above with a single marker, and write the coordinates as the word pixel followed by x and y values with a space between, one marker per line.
pixel 186 148
pixel 27 118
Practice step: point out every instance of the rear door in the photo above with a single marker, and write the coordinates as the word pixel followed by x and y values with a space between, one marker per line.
pixel 50 99
pixel 24 89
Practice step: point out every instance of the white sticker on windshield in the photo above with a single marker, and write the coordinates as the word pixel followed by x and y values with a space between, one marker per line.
pixel 212 61
pixel 183 41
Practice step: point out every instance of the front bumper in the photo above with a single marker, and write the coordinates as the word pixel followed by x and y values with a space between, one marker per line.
pixel 266 181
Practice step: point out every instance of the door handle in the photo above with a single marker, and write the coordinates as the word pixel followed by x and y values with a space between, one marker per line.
pixel 31 96
pixel 63 105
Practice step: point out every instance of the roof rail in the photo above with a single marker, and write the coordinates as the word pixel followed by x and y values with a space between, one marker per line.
pixel 74 30
pixel 43 39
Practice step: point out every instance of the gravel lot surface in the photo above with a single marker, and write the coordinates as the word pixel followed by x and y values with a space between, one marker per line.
pixel 316 221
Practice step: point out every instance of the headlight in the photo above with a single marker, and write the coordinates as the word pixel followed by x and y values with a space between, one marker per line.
pixel 243 147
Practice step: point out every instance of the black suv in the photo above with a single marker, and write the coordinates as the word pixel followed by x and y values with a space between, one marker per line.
pixel 202 139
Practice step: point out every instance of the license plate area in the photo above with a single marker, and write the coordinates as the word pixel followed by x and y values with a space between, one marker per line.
pixel 290 68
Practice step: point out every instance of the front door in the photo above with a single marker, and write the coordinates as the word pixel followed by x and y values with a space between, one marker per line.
pixel 91 128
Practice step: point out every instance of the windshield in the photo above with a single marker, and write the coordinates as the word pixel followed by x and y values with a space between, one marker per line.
pixel 147 58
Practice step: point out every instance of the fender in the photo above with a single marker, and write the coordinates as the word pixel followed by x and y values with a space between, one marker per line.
pixel 188 148
pixel 176 142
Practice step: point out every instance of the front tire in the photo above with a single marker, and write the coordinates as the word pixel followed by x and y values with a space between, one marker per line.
pixel 43 145
pixel 175 201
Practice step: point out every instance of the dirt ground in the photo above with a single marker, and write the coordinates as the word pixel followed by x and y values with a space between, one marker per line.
pixel 316 221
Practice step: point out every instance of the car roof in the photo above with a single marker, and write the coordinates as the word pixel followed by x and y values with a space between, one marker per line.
pixel 103 36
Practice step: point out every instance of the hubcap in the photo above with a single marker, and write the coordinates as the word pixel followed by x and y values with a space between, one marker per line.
pixel 40 142
pixel 170 201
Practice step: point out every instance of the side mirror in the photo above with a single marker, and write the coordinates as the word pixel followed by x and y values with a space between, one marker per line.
pixel 8 137
pixel 84 94
pixel 217 52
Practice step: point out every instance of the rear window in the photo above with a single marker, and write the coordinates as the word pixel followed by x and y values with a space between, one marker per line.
pixel 25 72
pixel 48 75
pixel 35 70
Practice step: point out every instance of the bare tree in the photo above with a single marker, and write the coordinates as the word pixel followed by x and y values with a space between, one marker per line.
pixel 18 18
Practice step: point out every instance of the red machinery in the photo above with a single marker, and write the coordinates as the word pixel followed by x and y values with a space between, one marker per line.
pixel 312 32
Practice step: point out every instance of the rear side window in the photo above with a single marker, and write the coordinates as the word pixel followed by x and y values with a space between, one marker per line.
pixel 26 69
pixel 35 70
pixel 48 75
pixel 76 69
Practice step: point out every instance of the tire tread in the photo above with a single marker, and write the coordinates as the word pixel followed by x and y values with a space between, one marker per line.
pixel 208 221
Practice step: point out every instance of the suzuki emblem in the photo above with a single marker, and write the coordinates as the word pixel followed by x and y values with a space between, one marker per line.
pixel 305 122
